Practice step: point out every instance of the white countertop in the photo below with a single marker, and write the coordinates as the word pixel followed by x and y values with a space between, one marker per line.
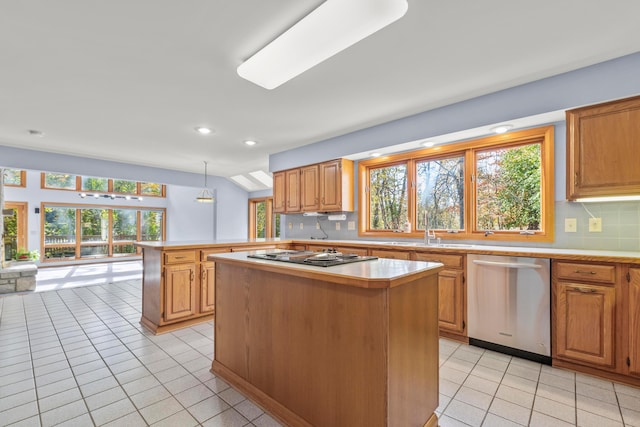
pixel 380 270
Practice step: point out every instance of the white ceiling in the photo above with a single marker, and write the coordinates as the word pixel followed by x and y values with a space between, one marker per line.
pixel 129 80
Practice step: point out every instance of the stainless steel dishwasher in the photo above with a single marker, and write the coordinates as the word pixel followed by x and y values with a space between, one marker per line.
pixel 508 305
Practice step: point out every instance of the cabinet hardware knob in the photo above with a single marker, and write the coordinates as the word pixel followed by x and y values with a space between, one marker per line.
pixel 584 272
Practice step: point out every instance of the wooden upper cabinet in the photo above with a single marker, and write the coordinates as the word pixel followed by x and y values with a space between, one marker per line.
pixel 602 144
pixel 279 192
pixel 336 185
pixel 325 187
pixel 292 186
pixel 309 188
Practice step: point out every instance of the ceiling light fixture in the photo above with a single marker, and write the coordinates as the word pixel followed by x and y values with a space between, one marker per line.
pixel 250 143
pixel 35 132
pixel 203 130
pixel 375 154
pixel 428 144
pixel 332 27
pixel 205 195
pixel 501 128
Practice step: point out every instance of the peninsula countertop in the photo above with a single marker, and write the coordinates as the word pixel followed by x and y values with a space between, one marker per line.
pixel 378 273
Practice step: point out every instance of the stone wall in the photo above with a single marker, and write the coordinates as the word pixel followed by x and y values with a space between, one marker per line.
pixel 18 277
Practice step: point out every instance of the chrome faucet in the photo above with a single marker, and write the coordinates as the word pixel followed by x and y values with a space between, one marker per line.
pixel 429 235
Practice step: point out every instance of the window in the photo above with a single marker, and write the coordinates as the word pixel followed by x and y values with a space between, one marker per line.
pixel 388 199
pixel 440 193
pixel 263 223
pixel 15 178
pixel 15 229
pixel 82 232
pixel 494 188
pixel 61 181
pixel 90 183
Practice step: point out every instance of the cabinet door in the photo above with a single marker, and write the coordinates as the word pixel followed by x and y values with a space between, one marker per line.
pixel 179 291
pixel 309 189
pixel 331 186
pixel 208 283
pixel 634 321
pixel 292 184
pixel 451 301
pixel 585 323
pixel 601 140
pixel 279 192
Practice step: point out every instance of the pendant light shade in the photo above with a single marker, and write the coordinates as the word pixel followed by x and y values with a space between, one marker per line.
pixel 205 195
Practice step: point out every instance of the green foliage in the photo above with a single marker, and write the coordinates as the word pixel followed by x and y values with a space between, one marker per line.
pixel 12 177
pixel 59 180
pixel 509 189
pixel 95 184
pixel 23 254
pixel 261 220
pixel 440 191
pixel 125 187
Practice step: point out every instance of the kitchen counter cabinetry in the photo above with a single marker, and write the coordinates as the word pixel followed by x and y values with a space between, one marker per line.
pixel 178 283
pixel 601 140
pixel 452 299
pixel 391 254
pixel 325 187
pixel 351 345
pixel 584 304
pixel 341 249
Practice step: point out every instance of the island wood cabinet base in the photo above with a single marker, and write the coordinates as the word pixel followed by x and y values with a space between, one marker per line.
pixel 318 353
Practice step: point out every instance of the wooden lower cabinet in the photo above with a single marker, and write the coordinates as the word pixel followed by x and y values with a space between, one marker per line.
pixel 179 291
pixel 452 312
pixel 208 286
pixel 634 321
pixel 585 323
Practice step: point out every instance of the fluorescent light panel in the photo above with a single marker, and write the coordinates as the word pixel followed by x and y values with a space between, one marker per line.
pixel 332 27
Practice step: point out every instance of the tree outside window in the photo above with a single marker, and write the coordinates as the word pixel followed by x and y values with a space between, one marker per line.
pixel 440 194
pixel 388 205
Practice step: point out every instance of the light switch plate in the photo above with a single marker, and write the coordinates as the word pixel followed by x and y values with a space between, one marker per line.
pixel 317 226
pixel 570 225
pixel 337 226
pixel 301 225
pixel 595 225
pixel 351 225
pixel 290 226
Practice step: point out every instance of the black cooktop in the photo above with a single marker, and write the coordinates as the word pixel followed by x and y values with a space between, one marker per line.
pixel 320 259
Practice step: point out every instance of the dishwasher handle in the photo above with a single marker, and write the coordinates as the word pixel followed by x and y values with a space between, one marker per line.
pixel 506 264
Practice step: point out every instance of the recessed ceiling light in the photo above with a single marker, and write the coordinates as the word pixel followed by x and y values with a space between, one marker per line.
pixel 203 130
pixel 35 132
pixel 428 144
pixel 501 128
pixel 375 154
pixel 250 142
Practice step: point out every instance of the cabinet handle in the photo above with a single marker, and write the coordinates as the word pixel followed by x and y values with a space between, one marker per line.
pixel 193 275
pixel 180 257
pixel 584 290
pixel 204 275
pixel 584 272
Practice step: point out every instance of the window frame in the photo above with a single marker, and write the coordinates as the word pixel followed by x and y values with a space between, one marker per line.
pixel 23 179
pixel 78 187
pixel 542 135
pixel 110 242
pixel 269 213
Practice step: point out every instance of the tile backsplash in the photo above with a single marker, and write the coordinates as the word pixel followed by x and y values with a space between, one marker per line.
pixel 620 227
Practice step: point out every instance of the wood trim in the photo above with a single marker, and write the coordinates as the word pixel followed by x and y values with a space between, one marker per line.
pixel 21 209
pixel 268 214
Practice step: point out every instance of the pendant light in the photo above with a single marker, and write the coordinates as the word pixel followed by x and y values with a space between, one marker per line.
pixel 205 195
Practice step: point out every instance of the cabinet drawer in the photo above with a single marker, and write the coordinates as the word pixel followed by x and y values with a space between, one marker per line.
pixel 589 272
pixel 453 261
pixel 179 257
pixel 381 253
pixel 206 252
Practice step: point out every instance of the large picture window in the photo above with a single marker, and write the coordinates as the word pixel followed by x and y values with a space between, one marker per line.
pixel 494 188
pixel 85 232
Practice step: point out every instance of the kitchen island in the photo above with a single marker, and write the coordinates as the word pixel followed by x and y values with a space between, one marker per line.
pixel 348 345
